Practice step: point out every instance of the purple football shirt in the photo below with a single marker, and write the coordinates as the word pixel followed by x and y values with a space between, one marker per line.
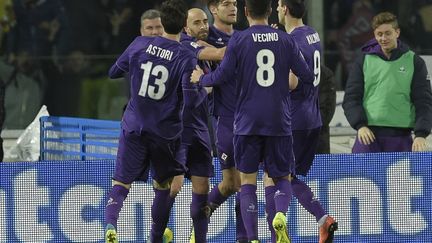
pixel 223 96
pixel 196 116
pixel 305 105
pixel 260 58
pixel 156 66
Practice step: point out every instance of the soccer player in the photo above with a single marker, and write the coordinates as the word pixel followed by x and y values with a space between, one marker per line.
pixel 151 25
pixel 225 15
pixel 152 122
pixel 306 119
pixel 261 58
pixel 195 137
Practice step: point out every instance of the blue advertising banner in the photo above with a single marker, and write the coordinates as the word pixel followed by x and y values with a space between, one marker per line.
pixel 374 197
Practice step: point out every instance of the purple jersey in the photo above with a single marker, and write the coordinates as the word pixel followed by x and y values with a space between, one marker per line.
pixel 223 96
pixel 156 66
pixel 196 116
pixel 305 105
pixel 260 58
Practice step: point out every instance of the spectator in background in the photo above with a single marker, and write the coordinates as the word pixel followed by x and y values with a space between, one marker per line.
pixel 7 21
pixel 353 34
pixel 38 24
pixel 23 94
pixel 421 25
pixel 388 94
pixel 327 105
pixel 63 94
pixel 123 25
pixel 87 27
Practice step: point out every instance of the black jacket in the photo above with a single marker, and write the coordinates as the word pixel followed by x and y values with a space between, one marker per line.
pixel 421 95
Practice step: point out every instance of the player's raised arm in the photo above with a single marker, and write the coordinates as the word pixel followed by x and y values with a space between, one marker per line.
pixel 223 73
pixel 121 66
pixel 212 53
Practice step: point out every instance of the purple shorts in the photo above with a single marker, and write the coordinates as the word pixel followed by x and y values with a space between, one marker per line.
pixel 224 142
pixel 274 151
pixel 197 146
pixel 137 153
pixel 305 147
pixel 385 144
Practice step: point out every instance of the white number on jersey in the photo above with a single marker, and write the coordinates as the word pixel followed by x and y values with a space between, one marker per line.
pixel 265 67
pixel 317 68
pixel 161 76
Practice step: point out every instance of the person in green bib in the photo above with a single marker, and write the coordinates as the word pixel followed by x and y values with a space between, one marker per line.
pixel 388 94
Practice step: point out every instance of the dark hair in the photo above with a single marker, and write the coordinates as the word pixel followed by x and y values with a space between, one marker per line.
pixel 173 16
pixel 385 18
pixel 213 3
pixel 259 8
pixel 297 8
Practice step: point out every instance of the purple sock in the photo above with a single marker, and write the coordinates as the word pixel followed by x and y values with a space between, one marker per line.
pixel 249 210
pixel 270 209
pixel 116 197
pixel 199 216
pixel 161 209
pixel 305 196
pixel 282 196
pixel 241 234
pixel 215 198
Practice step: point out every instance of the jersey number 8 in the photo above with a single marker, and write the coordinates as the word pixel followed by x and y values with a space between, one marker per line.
pixel 265 74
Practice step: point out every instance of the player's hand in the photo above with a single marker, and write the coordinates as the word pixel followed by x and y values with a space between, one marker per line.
pixel 419 144
pixel 293 81
pixel 274 26
pixel 365 136
pixel 196 74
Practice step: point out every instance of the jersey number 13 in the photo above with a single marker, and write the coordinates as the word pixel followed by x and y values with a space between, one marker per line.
pixel 160 73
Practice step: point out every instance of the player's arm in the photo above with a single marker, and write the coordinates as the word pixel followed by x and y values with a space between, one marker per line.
pixel 116 71
pixel 205 52
pixel 421 97
pixel 121 66
pixel 300 67
pixel 224 72
pixel 211 54
pixel 194 94
pixel 353 98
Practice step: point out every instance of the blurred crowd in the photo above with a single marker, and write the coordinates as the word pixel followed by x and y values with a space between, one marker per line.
pixel 57 52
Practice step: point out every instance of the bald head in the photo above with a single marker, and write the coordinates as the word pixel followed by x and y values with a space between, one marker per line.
pixel 195 11
pixel 197 24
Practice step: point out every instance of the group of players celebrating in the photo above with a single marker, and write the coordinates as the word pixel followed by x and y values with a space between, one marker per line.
pixel 263 97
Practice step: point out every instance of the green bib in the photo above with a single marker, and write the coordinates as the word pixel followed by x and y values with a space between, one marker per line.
pixel 387 89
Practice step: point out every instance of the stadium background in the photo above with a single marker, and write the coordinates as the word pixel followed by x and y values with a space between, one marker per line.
pixel 65 66
pixel 376 198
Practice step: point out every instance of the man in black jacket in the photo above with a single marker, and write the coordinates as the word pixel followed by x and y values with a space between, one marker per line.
pixel 327 104
pixel 387 94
